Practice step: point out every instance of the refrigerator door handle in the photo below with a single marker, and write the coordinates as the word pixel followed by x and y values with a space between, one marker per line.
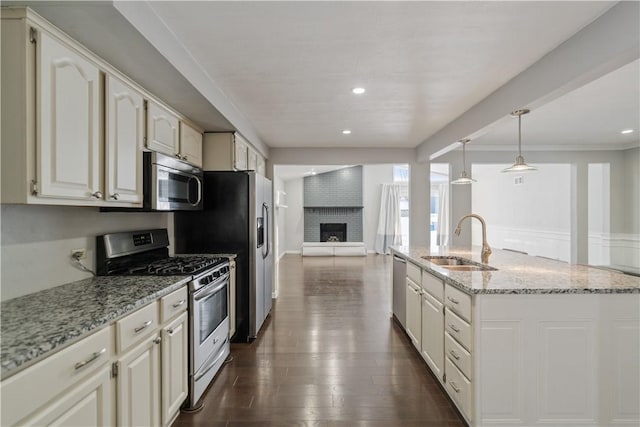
pixel 267 240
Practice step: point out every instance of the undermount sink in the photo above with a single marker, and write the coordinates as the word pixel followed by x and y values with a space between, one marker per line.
pixel 458 264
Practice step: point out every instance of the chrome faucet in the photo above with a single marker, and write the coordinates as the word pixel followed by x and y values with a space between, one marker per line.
pixel 486 250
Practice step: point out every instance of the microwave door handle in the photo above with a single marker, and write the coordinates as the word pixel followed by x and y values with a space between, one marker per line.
pixel 199 192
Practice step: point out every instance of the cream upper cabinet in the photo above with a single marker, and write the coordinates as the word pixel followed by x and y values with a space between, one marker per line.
pixel 241 153
pixel 124 140
pixel 252 159
pixel 190 145
pixel 261 166
pixel 162 130
pixel 69 108
pixel 138 396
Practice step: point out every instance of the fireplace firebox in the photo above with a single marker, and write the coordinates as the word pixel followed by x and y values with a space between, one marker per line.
pixel 333 232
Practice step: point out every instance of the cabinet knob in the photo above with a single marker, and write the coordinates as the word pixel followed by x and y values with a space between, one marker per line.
pixel 115 196
pixel 97 195
pixel 157 340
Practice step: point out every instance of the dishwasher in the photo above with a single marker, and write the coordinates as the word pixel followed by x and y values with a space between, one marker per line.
pixel 399 289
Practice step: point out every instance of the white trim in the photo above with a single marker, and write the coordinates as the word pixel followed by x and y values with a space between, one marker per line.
pixel 556 147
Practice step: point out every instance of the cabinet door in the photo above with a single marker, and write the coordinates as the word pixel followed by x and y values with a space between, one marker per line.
pixel 69 104
pixel 260 166
pixel 124 139
pixel 240 149
pixel 162 130
pixel 190 145
pixel 433 334
pixel 139 385
pixel 87 404
pixel 252 160
pixel 413 314
pixel 174 367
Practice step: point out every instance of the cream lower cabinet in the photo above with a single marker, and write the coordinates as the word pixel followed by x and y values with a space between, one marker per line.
pixel 138 396
pixel 174 367
pixel 87 404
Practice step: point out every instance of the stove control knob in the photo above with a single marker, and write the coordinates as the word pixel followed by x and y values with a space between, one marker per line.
pixel 216 274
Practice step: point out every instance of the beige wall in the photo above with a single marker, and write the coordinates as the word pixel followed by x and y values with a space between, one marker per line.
pixel 36 243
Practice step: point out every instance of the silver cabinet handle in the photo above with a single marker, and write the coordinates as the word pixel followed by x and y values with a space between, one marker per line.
pixel 454 354
pixel 114 196
pixel 453 327
pixel 97 195
pixel 93 357
pixel 157 340
pixel 178 304
pixel 455 301
pixel 144 326
pixel 454 386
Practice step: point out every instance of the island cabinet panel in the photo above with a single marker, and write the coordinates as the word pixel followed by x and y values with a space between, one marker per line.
pixel 432 334
pixel 414 315
pixel 562 359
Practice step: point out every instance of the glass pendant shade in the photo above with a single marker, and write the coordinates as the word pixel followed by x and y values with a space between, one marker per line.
pixel 464 178
pixel 520 165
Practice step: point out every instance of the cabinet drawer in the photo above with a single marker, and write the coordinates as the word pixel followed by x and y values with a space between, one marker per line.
pixel 137 326
pixel 459 388
pixel 433 285
pixel 30 389
pixel 457 328
pixel 173 304
pixel 458 355
pixel 458 302
pixel 414 273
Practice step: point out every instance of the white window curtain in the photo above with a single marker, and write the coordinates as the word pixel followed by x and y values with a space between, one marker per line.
pixel 442 228
pixel 389 233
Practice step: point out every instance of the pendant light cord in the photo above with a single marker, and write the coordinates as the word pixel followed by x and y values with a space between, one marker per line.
pixel 520 135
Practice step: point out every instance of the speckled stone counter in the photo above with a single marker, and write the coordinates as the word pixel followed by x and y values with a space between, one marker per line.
pixel 37 325
pixel 521 274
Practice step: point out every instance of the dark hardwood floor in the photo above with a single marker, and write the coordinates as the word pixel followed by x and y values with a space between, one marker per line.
pixel 328 355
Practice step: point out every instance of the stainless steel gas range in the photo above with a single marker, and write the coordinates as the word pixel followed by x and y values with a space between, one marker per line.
pixel 146 253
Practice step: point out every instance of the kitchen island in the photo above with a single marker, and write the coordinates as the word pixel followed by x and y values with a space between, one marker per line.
pixel 532 341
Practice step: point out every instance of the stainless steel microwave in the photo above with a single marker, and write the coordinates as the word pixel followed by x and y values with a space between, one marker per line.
pixel 170 184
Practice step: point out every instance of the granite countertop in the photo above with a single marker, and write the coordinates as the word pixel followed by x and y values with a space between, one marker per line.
pixel 37 325
pixel 522 274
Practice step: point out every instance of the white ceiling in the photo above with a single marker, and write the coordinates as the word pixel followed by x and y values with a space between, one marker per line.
pixel 591 117
pixel 290 66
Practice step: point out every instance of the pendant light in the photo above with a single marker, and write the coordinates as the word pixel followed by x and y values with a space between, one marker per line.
pixel 520 165
pixel 464 178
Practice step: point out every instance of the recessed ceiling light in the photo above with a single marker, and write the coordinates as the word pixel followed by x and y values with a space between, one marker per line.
pixel 346 132
pixel 627 131
pixel 358 90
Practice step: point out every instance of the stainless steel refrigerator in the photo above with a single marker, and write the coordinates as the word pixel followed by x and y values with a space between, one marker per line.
pixel 236 218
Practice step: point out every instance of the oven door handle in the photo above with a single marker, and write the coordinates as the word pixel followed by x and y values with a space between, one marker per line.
pixel 210 366
pixel 198 296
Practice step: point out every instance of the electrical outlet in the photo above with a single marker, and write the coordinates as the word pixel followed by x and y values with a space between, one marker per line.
pixel 79 253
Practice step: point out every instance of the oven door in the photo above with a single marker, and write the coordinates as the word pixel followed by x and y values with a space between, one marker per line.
pixel 210 324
